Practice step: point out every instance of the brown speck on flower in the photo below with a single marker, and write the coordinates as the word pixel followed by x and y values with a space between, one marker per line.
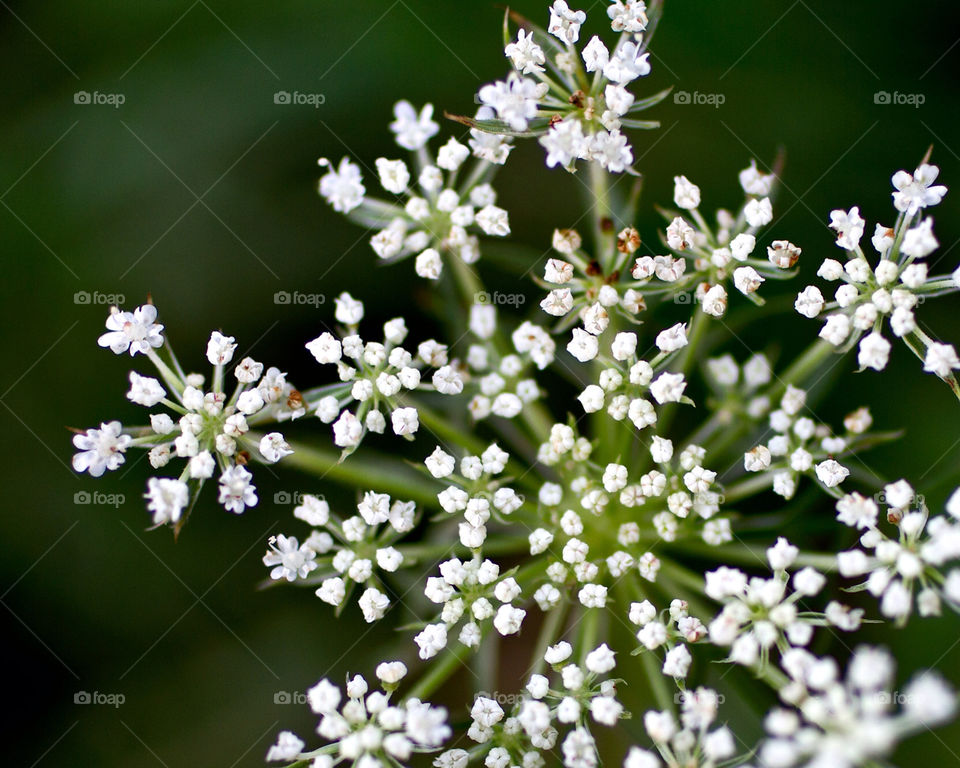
pixel 628 240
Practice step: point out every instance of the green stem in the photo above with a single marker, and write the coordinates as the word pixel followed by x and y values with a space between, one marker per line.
pixel 388 475
pixel 549 633
pixel 440 670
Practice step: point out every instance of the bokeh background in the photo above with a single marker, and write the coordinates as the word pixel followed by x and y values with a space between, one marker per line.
pixel 199 190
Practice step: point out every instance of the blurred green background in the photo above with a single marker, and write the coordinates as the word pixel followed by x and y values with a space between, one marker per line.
pixel 200 191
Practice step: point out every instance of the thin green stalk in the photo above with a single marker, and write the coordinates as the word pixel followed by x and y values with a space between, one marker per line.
pixel 440 670
pixel 387 474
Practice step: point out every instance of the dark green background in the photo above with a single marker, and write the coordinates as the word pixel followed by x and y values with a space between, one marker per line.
pixel 102 199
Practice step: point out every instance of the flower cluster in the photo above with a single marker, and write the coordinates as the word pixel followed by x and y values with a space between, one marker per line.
pixel 907 563
pixel 575 101
pixel 801 446
pixel 760 616
pixel 213 431
pixel 366 729
pixel 889 289
pixel 437 214
pixel 550 491
pixel 374 375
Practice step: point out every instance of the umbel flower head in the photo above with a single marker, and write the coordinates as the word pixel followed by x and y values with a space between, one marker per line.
pixel 573 96
pixel 599 501
pixel 214 433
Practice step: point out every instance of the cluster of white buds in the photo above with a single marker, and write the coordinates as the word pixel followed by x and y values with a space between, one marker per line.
pixel 474 491
pixel 761 616
pixel 375 375
pixel 366 729
pixel 501 383
pixel 579 694
pixel 849 721
pixel 468 590
pixel 719 255
pixel 584 290
pixel 347 552
pixel 437 214
pixel 575 101
pixel 690 742
pixel 801 446
pixel 671 630
pixel 626 382
pixel 213 430
pixel 908 562
pixel 892 288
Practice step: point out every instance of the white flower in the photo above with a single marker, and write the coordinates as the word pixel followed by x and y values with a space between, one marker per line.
pixel 627 63
pixel 289 559
pixel 747 279
pixel 685 193
pixel 493 221
pixel 940 359
pixel 349 310
pixel 326 348
pixel 564 143
pixel 595 55
pixel 583 346
pixel 668 387
pixel 342 188
pixel 915 192
pixel 413 130
pixel 514 100
pixel 809 302
pixel 673 338
pixel 611 150
pixel 405 421
pixel 144 390
pixel 758 213
pixel 287 748
pixel 714 301
pixel 565 23
pixel 848 226
pixel 919 242
pixel 831 473
pixel 220 348
pixel 273 447
pixel 525 55
pixel 508 619
pixel 874 352
pixel 628 16
pixel 136 332
pixel 679 235
pixel 236 491
pixel 755 182
pixel 394 175
pixel 100 449
pixel 166 499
